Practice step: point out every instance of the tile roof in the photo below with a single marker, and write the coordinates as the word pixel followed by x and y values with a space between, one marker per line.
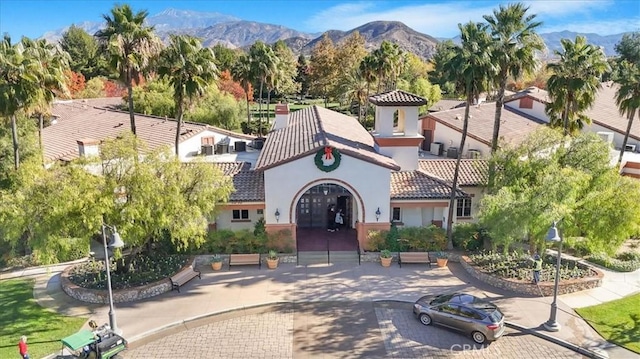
pixel 248 184
pixel 420 185
pixel 605 112
pixel 397 98
pixel 534 92
pixel 515 126
pixel 472 171
pixel 446 104
pixel 314 127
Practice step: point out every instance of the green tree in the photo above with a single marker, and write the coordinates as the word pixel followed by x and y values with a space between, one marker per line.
pixel 627 78
pixel 367 68
pixel 515 44
pixel 94 88
pixel 445 51
pixel 574 83
pixel 218 109
pixel 629 47
pixel 264 64
pixel 28 133
pixel 85 57
pixel 302 77
pixel 190 69
pixel 415 68
pixel 323 68
pixel 470 69
pixel 287 70
pixel 241 72
pixel 225 57
pixel 353 89
pixel 389 62
pixel 421 87
pixel 154 98
pixel 130 45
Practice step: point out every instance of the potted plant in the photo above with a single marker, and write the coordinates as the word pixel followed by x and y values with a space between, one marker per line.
pixel 216 262
pixel 385 257
pixel 272 259
pixel 442 259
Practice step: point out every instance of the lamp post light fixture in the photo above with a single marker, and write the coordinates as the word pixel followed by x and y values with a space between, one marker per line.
pixel 378 213
pixel 551 324
pixel 277 214
pixel 116 242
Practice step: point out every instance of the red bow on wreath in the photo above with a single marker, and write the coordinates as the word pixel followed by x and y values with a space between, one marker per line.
pixel 328 152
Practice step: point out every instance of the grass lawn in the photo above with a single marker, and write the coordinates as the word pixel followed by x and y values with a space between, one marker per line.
pixel 617 321
pixel 21 315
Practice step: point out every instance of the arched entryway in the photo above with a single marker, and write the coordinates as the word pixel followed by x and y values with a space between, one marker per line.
pixel 315 219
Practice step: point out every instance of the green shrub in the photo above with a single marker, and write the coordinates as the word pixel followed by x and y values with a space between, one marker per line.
pixel 376 240
pixel 469 236
pixel 419 239
pixel 624 262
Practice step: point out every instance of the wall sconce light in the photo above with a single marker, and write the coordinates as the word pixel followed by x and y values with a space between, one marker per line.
pixel 378 213
pixel 277 214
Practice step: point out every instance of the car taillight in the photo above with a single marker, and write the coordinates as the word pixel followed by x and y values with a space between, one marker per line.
pixel 493 326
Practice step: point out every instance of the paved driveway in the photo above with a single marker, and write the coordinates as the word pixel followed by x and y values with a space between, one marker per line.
pixel 331 330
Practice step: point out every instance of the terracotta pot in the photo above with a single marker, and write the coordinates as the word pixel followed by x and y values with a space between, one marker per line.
pixel 216 265
pixel 386 262
pixel 272 263
pixel 442 262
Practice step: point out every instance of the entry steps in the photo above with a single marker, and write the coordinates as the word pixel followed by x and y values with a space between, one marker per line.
pixel 333 257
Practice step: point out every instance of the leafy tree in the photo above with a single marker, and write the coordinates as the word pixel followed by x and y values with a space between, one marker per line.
pixel 303 74
pixel 574 83
pixel 225 57
pixel 263 65
pixel 219 109
pixel 75 83
pixel 421 87
pixel 154 98
pixel 85 57
pixel 28 133
pixel 94 88
pixel 627 77
pixel 549 177
pixel 190 69
pixel 367 68
pixel 415 68
pixel 130 45
pixel 629 47
pixel 324 72
pixel 445 51
pixel 287 70
pixel 228 85
pixel 389 61
pixel 470 69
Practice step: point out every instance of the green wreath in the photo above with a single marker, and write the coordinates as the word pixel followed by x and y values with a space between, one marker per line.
pixel 318 159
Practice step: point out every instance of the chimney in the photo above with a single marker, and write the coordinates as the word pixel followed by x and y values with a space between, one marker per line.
pixel 282 116
pixel 88 147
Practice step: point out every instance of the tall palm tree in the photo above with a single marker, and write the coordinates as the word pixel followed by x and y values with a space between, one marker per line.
pixel 19 86
pixel 241 72
pixel 574 83
pixel 263 64
pixel 354 89
pixel 52 63
pixel 389 59
pixel 471 70
pixel 628 96
pixel 368 70
pixel 190 69
pixel 130 44
pixel 514 45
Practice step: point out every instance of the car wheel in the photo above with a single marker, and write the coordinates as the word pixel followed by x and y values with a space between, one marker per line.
pixel 478 337
pixel 425 319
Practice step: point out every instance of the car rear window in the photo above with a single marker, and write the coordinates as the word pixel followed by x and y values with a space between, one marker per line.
pixel 496 316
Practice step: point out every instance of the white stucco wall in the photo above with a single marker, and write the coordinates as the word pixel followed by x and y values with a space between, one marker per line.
pixel 407 120
pixel 192 146
pixel 285 182
pixel 405 157
pixel 617 136
pixel 537 111
pixel 451 138
pixel 224 220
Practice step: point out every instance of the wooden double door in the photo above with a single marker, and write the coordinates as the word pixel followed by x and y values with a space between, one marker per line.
pixel 314 210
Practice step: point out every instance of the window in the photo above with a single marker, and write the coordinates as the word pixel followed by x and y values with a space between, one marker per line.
pixel 260 212
pixel 396 215
pixel 464 207
pixel 470 313
pixel 240 214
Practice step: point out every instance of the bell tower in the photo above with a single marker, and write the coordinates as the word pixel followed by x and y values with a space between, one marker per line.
pixel 396 129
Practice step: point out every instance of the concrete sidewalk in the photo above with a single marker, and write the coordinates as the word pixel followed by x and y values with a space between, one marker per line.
pixel 244 288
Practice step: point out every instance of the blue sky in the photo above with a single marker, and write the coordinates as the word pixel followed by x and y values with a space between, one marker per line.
pixel 437 18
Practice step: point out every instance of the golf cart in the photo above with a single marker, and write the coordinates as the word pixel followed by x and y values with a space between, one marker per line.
pixel 101 343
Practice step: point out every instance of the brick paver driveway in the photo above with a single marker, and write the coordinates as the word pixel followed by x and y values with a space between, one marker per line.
pixel 332 330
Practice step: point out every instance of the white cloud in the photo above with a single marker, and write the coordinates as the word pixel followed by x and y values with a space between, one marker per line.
pixel 441 19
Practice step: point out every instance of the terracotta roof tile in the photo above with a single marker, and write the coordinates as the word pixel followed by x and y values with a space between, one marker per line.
pixel 248 184
pixel 420 185
pixel 514 126
pixel 534 92
pixel 605 112
pixel 314 127
pixel 472 171
pixel 397 98
pixel 446 104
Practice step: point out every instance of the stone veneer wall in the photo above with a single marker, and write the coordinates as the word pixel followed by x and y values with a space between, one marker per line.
pixel 120 295
pixel 525 287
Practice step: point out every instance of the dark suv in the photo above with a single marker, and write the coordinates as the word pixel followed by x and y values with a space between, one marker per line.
pixel 463 312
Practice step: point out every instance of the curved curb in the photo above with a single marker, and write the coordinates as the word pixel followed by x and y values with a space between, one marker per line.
pixel 576 348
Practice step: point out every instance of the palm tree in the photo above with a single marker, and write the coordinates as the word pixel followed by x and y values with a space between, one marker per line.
pixel 368 71
pixel 471 70
pixel 19 86
pixel 130 44
pixel 52 63
pixel 354 88
pixel 388 59
pixel 241 72
pixel 514 45
pixel 574 83
pixel 263 64
pixel 190 69
pixel 628 96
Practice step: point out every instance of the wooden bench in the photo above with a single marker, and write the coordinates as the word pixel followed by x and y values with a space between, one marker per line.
pixel 244 259
pixel 182 277
pixel 415 257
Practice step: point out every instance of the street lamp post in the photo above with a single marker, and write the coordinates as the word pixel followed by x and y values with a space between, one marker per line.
pixel 116 242
pixel 551 324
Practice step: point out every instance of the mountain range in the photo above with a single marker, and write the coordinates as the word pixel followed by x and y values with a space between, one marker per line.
pixel 217 28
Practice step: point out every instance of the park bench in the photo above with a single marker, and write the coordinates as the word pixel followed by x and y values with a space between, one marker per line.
pixel 415 257
pixel 245 259
pixel 182 277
